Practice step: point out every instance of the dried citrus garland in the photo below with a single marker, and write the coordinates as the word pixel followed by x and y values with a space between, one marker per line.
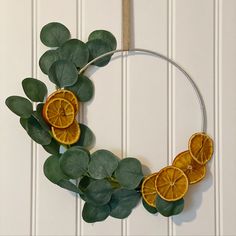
pixel 109 186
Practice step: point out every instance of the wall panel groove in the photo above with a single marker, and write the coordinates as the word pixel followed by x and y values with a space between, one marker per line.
pixel 217 55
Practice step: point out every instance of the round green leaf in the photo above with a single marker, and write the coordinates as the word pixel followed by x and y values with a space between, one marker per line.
pixel 87 137
pixel 93 213
pixel 74 162
pixel 149 208
pixel 98 47
pixel 66 184
pixel 75 51
pixel 103 163
pixel 83 88
pixel 38 115
pixel 99 192
pixel 53 147
pixel 167 208
pixel 122 202
pixel 54 34
pixel 129 173
pixel 52 169
pixel 34 89
pixel 35 131
pixel 47 59
pixel 20 106
pixel 105 36
pixel 63 73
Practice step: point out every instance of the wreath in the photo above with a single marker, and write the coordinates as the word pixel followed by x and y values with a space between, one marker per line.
pixel 109 186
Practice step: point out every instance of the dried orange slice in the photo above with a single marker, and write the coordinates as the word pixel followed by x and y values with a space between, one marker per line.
pixel 194 171
pixel 171 183
pixel 148 190
pixel 59 112
pixel 201 148
pixel 68 95
pixel 69 135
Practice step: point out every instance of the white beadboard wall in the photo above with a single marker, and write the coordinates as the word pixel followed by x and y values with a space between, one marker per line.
pixel 142 108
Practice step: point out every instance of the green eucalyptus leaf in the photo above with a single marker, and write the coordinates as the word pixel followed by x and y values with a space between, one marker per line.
pixel 74 162
pixel 83 88
pixel 75 51
pixel 63 73
pixel 105 36
pixel 38 115
pixel 87 137
pixel 98 47
pixel 122 202
pixel 167 208
pixel 103 163
pixel 20 106
pixel 99 192
pixel 84 182
pixel 47 59
pixel 149 208
pixel 129 173
pixel 54 34
pixel 53 147
pixel 52 169
pixel 93 213
pixel 34 89
pixel 67 184
pixel 35 131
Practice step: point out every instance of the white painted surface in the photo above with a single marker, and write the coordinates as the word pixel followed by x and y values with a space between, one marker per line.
pixel 142 108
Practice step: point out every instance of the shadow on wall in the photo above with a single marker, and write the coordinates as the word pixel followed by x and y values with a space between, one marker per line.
pixel 193 200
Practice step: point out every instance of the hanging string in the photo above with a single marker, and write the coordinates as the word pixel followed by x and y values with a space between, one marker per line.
pixel 126 24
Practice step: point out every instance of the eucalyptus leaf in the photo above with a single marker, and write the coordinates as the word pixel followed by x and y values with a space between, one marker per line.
pixel 20 106
pixel 75 51
pixel 99 192
pixel 47 59
pixel 35 131
pixel 167 208
pixel 149 208
pixel 54 34
pixel 74 162
pixel 83 184
pixel 38 115
pixel 87 137
pixel 83 88
pixel 52 169
pixel 34 89
pixel 105 36
pixel 53 147
pixel 67 184
pixel 129 173
pixel 93 213
pixel 98 47
pixel 122 202
pixel 103 163
pixel 63 73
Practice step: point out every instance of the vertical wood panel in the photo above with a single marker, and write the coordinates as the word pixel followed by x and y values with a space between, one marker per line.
pixel 56 207
pixel 193 49
pixel 227 111
pixel 15 146
pixel 147 105
pixel 103 114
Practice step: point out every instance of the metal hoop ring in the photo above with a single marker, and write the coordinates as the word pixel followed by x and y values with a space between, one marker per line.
pixel 180 68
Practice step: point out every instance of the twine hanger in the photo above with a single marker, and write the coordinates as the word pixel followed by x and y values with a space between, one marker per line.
pixel 126 24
